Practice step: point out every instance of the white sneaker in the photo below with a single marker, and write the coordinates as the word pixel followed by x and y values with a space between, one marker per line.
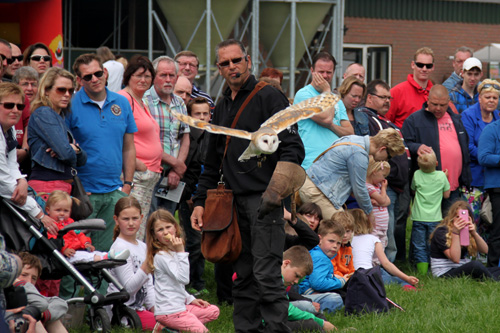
pixel 122 255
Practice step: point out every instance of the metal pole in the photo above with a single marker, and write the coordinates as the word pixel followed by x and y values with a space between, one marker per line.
pixel 70 26
pixel 119 37
pixel 337 44
pixel 293 20
pixel 150 29
pixel 255 37
pixel 208 17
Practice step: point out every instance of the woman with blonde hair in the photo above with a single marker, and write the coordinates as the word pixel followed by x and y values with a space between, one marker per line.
pixel 352 91
pixel 54 151
pixel 448 257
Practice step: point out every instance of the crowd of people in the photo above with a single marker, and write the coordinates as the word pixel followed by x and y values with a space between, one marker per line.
pixel 363 161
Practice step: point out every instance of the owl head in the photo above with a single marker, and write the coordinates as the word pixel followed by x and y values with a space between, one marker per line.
pixel 267 143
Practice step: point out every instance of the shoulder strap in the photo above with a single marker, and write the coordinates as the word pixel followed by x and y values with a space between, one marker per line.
pixel 257 88
pixel 336 145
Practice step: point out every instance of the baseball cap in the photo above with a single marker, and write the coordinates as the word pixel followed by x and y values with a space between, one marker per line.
pixel 472 62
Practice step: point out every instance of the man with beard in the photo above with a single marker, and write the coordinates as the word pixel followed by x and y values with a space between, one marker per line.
pixel 174 135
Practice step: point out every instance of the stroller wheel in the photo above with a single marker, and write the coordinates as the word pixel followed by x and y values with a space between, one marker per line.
pixel 127 318
pixel 100 321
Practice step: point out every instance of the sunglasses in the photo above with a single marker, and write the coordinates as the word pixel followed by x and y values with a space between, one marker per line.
pixel 63 91
pixel 234 61
pixel 10 106
pixel 88 77
pixel 18 58
pixel 9 60
pixel 421 65
pixel 38 57
pixel 388 98
pixel 489 85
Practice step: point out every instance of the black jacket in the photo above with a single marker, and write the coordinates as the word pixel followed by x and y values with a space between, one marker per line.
pixel 246 177
pixel 421 128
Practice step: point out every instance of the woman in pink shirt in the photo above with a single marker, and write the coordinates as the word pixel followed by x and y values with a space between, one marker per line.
pixel 138 78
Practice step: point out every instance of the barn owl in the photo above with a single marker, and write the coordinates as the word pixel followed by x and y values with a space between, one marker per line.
pixel 265 139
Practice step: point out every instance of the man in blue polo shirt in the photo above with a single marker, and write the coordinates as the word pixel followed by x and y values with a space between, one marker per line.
pixel 103 124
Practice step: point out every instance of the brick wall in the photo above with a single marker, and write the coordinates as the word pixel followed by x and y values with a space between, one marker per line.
pixel 406 37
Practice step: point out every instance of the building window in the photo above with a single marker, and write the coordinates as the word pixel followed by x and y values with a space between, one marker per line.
pixel 375 58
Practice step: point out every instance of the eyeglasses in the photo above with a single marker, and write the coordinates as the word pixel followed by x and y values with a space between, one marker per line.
pixel 142 76
pixel 421 65
pixel 10 106
pixel 234 61
pixel 186 64
pixel 18 58
pixel 9 60
pixel 63 91
pixel 38 57
pixel 88 77
pixel 489 85
pixel 388 98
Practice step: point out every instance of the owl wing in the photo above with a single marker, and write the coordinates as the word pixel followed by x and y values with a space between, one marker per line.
pixel 210 127
pixel 303 110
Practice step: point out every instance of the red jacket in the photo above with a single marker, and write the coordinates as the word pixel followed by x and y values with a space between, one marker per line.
pixel 408 98
pixel 72 240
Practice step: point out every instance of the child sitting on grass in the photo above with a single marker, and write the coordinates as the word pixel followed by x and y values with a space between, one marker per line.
pixel 320 285
pixel 448 257
pixel 342 263
pixel 365 246
pixel 52 308
pixel 174 307
pixel 430 186
pixel 297 263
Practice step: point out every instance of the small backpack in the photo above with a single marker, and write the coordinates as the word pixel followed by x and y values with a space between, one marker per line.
pixel 366 292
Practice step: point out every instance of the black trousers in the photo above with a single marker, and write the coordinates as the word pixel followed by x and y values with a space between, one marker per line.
pixel 494 239
pixel 475 270
pixel 258 290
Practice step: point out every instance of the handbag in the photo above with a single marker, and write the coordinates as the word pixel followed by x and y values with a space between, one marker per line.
pixel 81 208
pixel 220 237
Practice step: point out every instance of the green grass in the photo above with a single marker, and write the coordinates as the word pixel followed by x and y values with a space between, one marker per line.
pixel 440 305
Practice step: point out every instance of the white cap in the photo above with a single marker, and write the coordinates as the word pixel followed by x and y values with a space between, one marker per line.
pixel 472 62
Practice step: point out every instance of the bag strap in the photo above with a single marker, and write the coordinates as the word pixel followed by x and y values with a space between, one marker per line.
pixel 257 88
pixel 336 145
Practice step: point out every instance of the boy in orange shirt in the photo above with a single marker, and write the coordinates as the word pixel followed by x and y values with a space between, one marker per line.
pixel 342 262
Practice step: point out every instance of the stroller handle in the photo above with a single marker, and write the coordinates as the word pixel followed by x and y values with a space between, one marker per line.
pixel 89 224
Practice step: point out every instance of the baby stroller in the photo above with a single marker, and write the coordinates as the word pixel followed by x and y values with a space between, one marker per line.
pixel 23 233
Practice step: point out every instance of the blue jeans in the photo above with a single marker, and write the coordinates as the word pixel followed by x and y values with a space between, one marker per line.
pixel 390 249
pixel 329 302
pixel 420 234
pixel 388 278
pixel 446 203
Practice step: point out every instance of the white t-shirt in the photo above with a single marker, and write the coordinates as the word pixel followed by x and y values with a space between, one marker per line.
pixel 137 283
pixel 171 278
pixel 115 78
pixel 363 250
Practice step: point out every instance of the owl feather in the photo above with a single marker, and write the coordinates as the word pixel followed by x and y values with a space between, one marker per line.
pixel 265 139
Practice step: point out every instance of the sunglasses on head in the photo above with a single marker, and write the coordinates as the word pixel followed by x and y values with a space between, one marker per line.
pixel 9 60
pixel 234 61
pixel 38 57
pixel 88 77
pixel 63 91
pixel 10 106
pixel 421 65
pixel 489 85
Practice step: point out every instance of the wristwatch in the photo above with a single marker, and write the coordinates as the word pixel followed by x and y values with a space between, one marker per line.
pixel 129 183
